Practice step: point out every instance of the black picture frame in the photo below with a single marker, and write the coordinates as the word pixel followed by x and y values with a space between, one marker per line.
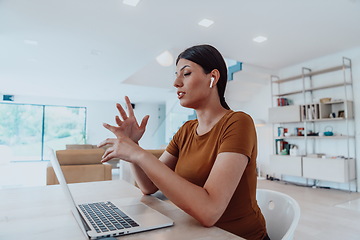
pixel 341 114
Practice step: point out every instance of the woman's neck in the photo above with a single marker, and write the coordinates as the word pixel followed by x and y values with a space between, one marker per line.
pixel 207 118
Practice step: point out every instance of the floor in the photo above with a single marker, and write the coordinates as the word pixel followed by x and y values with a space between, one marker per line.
pixel 325 213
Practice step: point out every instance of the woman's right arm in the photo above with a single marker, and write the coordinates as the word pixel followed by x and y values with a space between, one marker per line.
pixel 129 127
pixel 142 180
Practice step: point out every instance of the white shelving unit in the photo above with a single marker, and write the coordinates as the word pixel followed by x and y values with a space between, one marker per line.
pixel 319 120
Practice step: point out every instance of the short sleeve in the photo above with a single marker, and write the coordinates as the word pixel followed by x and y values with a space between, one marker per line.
pixel 239 135
pixel 172 147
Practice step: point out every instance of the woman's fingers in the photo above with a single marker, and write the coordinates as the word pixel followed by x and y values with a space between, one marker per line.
pixel 118 121
pixel 107 155
pixel 106 142
pixel 144 122
pixel 129 106
pixel 121 111
pixel 109 152
pixel 111 128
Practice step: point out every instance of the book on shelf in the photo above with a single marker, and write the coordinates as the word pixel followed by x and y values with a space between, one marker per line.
pixel 282 147
pixel 310 112
pixel 283 102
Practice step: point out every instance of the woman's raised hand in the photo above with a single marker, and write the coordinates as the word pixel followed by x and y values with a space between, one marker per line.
pixel 127 124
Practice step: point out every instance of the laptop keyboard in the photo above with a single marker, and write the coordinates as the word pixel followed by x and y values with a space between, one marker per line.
pixel 105 217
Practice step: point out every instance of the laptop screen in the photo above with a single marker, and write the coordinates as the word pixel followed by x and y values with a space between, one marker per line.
pixel 60 176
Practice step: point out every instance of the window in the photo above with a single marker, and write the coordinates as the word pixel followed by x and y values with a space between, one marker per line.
pixel 27 130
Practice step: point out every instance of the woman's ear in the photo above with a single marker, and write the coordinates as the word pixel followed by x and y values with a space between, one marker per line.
pixel 215 75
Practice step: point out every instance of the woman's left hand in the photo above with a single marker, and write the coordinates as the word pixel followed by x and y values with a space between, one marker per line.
pixel 122 146
pixel 128 125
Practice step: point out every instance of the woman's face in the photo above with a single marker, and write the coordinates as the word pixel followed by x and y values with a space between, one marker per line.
pixel 192 84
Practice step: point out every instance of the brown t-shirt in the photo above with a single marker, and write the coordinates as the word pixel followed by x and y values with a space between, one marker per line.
pixel 235 132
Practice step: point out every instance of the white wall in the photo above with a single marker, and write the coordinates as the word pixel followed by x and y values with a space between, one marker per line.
pixel 154 136
pixel 257 108
pixel 176 116
pixel 250 92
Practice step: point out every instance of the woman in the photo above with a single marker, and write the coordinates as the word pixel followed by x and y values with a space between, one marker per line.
pixel 208 168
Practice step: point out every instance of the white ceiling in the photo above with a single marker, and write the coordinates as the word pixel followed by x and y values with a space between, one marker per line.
pixel 101 49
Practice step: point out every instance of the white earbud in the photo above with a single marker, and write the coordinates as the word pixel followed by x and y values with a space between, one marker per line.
pixel 211 82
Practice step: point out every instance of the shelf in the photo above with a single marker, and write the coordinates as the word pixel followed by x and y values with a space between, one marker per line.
pixel 326 119
pixel 334 102
pixel 312 89
pixel 305 115
pixel 320 112
pixel 337 169
pixel 287 93
pixel 286 164
pixel 331 137
pixel 300 76
pixel 317 137
pixel 290 113
pixel 332 111
pixel 328 86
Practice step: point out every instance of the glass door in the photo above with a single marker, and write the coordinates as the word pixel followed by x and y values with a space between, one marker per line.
pixel 27 130
pixel 20 132
pixel 63 125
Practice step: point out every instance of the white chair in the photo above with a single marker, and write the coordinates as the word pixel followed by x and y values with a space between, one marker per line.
pixel 281 212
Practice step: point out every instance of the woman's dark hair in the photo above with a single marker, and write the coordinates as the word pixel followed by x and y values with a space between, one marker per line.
pixel 209 58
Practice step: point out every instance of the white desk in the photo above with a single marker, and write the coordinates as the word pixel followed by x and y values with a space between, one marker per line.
pixel 42 213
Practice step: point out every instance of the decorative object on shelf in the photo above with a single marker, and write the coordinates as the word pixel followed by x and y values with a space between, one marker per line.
pixel 300 131
pixel 311 133
pixel 341 114
pixel 293 150
pixel 284 152
pixel 282 132
pixel 325 100
pixel 328 131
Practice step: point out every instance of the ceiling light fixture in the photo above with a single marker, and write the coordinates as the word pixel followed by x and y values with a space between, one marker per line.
pixel 260 39
pixel 165 59
pixel 95 52
pixel 31 42
pixel 206 22
pixel 131 2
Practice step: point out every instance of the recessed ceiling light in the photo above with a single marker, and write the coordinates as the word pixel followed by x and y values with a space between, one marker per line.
pixel 131 2
pixel 95 52
pixel 33 60
pixel 206 22
pixel 165 59
pixel 260 39
pixel 31 42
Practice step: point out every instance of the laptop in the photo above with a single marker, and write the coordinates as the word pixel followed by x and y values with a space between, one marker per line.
pixel 110 218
